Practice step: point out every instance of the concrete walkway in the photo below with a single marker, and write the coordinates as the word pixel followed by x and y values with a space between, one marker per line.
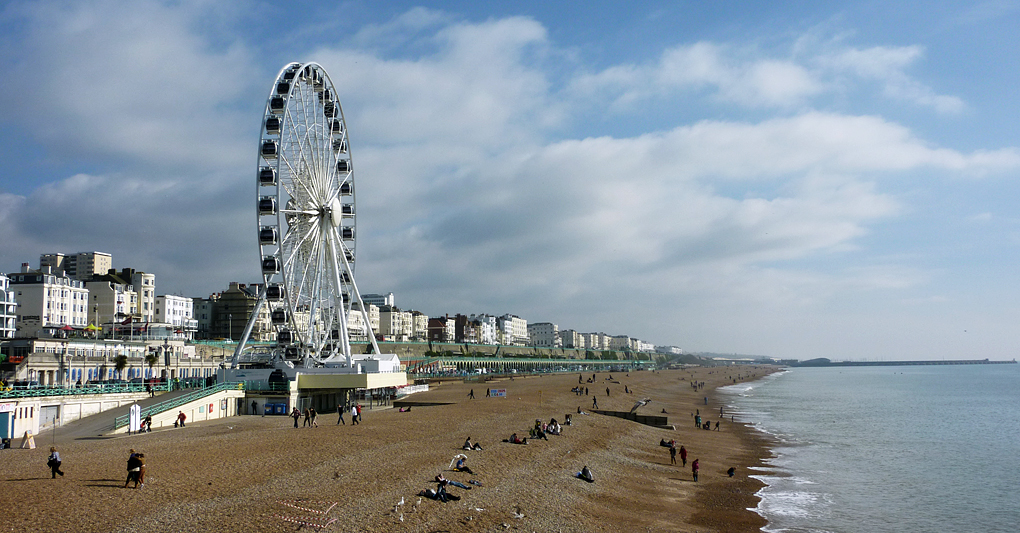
pixel 99 425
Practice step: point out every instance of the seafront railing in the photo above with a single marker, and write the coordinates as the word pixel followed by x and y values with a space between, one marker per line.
pixel 35 392
pixel 167 405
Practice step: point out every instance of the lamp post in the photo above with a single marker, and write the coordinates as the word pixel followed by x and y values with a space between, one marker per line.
pixel 166 362
pixel 230 327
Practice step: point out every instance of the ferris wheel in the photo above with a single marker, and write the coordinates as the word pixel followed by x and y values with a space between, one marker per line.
pixel 306 219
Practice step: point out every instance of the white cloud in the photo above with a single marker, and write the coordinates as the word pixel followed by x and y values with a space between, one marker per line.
pixel 468 199
pixel 134 80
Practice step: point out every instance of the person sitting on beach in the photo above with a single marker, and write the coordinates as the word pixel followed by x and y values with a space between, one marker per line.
pixel 469 446
pixel 586 474
pixel 461 467
pixel 514 439
pixel 567 421
pixel 537 431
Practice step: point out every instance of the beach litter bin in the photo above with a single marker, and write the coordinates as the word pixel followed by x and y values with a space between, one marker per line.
pixel 268 409
pixel 280 408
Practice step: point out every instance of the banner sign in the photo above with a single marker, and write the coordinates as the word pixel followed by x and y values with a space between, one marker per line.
pixel 497 393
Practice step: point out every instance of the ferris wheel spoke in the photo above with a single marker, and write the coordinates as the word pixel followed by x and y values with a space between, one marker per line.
pixel 309 254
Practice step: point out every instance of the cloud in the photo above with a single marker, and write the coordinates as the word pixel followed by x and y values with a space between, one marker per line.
pixel 471 198
pixel 732 76
pixel 887 66
pixel 752 78
pixel 133 81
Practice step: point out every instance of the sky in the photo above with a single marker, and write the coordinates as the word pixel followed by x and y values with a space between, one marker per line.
pixel 790 179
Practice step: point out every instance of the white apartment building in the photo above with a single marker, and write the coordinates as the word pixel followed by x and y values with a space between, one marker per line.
pixel 177 311
pixel 8 308
pixel 145 286
pixel 379 300
pixel 571 339
pixel 356 322
pixel 394 324
pixel 487 328
pixel 110 301
pixel 513 330
pixel 48 302
pixel 420 327
pixel 80 266
pixel 621 342
pixel 544 334
pixel 596 341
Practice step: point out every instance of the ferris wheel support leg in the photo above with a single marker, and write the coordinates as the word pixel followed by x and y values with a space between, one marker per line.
pixel 247 329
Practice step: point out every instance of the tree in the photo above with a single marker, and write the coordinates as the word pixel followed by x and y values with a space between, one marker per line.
pixel 120 363
pixel 151 359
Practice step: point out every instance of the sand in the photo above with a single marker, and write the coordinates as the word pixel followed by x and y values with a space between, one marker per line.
pixel 252 473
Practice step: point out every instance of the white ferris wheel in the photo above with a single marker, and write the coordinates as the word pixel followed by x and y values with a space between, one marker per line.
pixel 306 219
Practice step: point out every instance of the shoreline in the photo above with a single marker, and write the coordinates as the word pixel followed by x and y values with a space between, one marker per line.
pixel 237 474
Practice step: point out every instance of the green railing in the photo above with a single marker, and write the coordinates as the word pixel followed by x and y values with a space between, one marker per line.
pixel 34 392
pixel 167 405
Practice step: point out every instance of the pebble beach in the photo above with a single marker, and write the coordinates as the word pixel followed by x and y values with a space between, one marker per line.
pixel 254 473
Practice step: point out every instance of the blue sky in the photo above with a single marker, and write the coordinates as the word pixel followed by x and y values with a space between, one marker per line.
pixel 799 180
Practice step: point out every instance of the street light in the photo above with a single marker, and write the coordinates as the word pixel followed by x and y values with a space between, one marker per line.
pixel 230 327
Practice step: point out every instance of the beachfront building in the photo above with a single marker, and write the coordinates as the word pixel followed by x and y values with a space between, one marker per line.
pixel 82 266
pixel 487 327
pixel 571 339
pixel 233 307
pixel 544 335
pixel 420 326
pixel 621 343
pixel 379 300
pixel 395 325
pixel 8 308
pixel 178 313
pixel 669 350
pixel 596 341
pixel 513 330
pixel 202 312
pixel 59 362
pixel 48 303
pixel 143 287
pixel 442 329
pixel 110 301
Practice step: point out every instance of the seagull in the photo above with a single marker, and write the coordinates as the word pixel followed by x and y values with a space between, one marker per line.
pixel 401 501
pixel 639 404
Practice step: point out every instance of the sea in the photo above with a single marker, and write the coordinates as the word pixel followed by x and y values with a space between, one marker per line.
pixel 888 449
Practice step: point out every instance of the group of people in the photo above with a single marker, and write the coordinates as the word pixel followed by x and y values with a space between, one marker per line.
pixel 355 413
pixel 136 469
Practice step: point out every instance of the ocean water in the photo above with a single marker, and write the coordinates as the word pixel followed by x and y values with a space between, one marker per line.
pixel 888 449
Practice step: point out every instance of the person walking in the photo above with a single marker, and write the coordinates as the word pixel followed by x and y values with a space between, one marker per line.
pixel 54 462
pixel 607 392
pixel 672 455
pixel 594 402
pixel 181 417
pixel 254 407
pixel 472 394
pixel 359 413
pixel 296 415
pixel 683 456
pixel 354 415
pixel 308 417
pixel 311 412
pixel 694 469
pixel 340 411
